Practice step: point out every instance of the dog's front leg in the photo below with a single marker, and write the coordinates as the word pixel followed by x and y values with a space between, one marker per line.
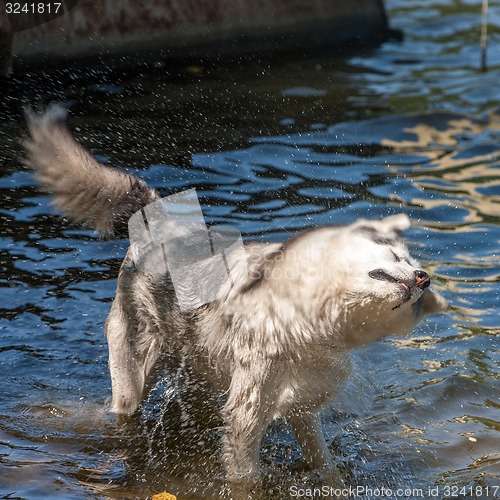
pixel 309 434
pixel 247 414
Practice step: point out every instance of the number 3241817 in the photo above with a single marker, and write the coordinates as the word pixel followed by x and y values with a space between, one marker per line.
pixel 472 491
pixel 33 8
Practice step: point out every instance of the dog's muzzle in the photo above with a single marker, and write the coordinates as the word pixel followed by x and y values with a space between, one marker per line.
pixel 421 279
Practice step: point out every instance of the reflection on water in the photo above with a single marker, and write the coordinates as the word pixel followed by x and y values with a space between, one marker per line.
pixel 420 411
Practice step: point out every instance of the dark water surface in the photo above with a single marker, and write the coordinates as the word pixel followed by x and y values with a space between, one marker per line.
pixel 272 147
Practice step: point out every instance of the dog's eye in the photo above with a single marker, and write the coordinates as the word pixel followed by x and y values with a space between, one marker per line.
pixel 396 257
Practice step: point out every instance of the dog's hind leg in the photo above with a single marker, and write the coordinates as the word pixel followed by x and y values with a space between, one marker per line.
pixel 130 360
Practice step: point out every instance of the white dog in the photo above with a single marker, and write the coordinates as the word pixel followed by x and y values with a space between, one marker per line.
pixel 278 344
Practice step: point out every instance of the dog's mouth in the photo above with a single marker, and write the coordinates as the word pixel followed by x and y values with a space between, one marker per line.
pixel 420 280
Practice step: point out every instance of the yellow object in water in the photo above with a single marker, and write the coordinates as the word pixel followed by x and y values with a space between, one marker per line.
pixel 164 496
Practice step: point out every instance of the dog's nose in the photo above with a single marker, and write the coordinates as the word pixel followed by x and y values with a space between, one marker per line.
pixel 422 279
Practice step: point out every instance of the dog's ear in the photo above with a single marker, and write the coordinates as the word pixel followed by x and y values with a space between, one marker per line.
pixel 396 223
pixel 385 230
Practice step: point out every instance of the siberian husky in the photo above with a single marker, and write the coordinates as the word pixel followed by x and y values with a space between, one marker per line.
pixel 278 343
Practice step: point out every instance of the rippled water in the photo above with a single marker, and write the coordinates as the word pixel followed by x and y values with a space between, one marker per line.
pixel 272 147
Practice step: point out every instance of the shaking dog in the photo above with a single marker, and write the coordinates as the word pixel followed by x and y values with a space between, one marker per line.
pixel 276 343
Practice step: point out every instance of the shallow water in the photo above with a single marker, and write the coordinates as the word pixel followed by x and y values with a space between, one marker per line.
pixel 272 146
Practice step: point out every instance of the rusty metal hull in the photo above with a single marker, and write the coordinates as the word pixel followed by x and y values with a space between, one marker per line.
pixel 194 27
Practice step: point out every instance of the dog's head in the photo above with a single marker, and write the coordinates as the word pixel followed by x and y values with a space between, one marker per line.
pixel 382 267
pixel 365 275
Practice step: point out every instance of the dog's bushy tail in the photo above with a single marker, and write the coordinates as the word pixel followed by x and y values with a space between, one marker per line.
pixel 83 189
